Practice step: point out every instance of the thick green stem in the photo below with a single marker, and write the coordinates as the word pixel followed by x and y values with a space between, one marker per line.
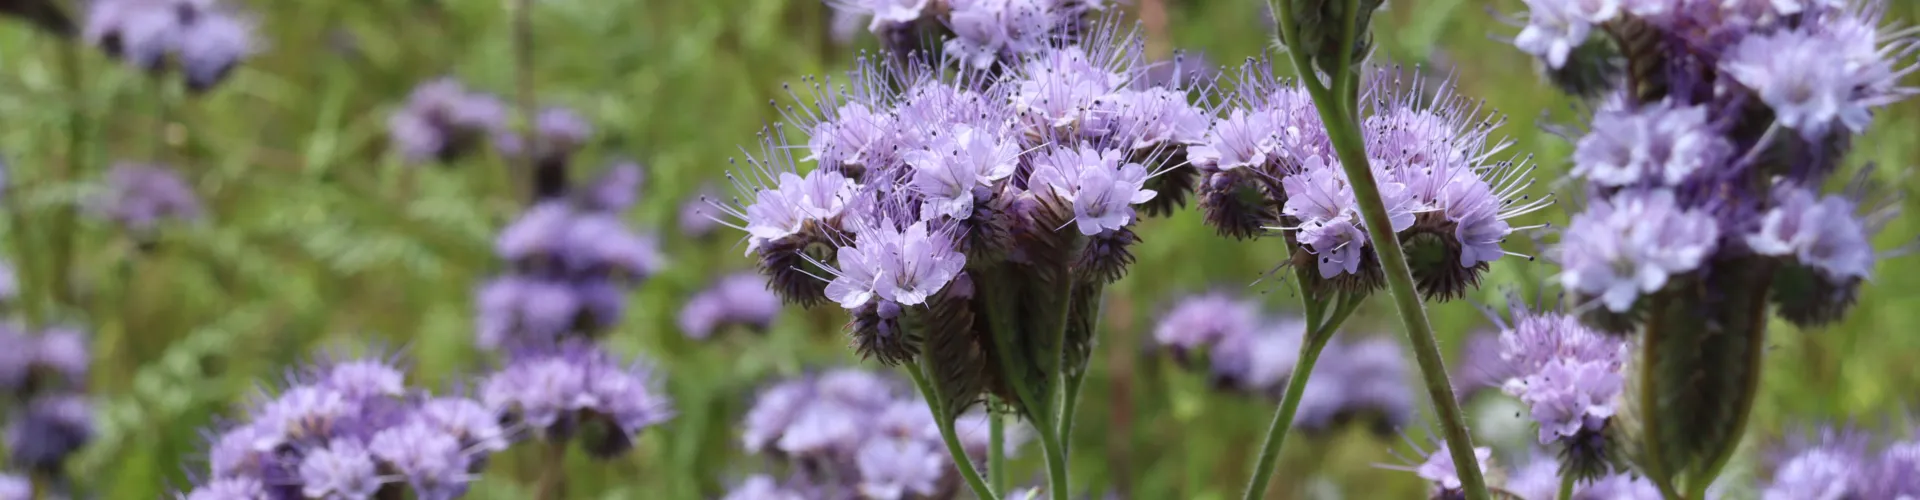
pixel 1289 404
pixel 1566 485
pixel 1336 113
pixel 997 451
pixel 954 450
pixel 1056 465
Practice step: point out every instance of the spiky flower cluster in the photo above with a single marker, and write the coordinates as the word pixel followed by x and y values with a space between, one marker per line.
pixel 574 389
pixel 1569 375
pixel 1270 165
pixel 1540 478
pixel 352 429
pixel 572 261
pixel 853 434
pixel 43 377
pixel 203 39
pixel 442 121
pixel 139 197
pixel 929 184
pixel 975 33
pixel 1363 380
pixel 1705 158
pixel 735 300
pixel 1844 464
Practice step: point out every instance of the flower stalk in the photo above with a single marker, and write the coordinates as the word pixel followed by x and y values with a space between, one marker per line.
pixel 1337 105
pixel 959 453
pixel 1321 332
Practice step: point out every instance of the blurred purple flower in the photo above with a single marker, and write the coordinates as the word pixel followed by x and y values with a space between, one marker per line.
pixel 55 359
pixel 341 469
pixel 544 388
pixel 1658 144
pixel 697 216
pixel 432 460
pixel 617 189
pixel 1568 374
pixel 51 428
pixel 1821 233
pixel 762 487
pixel 557 132
pixel 442 120
pixel 741 299
pixel 140 196
pixel 1629 245
pixel 1365 380
pixel 15 487
pixel 893 469
pixel 1440 471
pixel 231 488
pixel 205 38
pixel 1200 321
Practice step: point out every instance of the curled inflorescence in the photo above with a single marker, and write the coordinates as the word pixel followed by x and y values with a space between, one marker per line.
pixel 1269 165
pixel 352 429
pixel 1570 377
pixel 1245 351
pixel 854 434
pixel 576 389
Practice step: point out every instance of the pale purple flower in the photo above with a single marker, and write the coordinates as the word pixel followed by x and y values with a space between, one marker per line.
pixel 1822 233
pixel 431 460
pixel 1241 140
pixel 539 231
pixel 1366 377
pixel 1201 321
pixel 824 429
pixel 736 299
pixel 237 452
pixel 48 429
pixel 556 131
pixel 1897 473
pixel 1101 188
pixel 139 197
pixel 1540 478
pixel 1068 89
pixel 1820 473
pixel 1629 245
pixel 780 212
pixel 1159 117
pixel 1555 27
pixel 1567 373
pixel 617 189
pixel 443 120
pixel 341 469
pixel 364 378
pixel 1440 470
pixel 476 426
pixel 1798 73
pixel 229 488
pixel 852 137
pixel 762 487
pixel 15 487
pixel 517 309
pixel 773 411
pixel 985 31
pixel 207 39
pixel 893 469
pixel 536 390
pixel 542 386
pixel 1660 143
pixel 957 163
pixel 905 266
pixel 1337 244
pixel 596 240
pixel 302 414
pixel 1260 361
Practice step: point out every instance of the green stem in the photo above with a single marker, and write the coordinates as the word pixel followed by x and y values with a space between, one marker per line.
pixel 553 476
pixel 1069 403
pixel 1344 131
pixel 954 450
pixel 74 167
pixel 1056 464
pixel 1289 404
pixel 1344 79
pixel 1566 486
pixel 997 452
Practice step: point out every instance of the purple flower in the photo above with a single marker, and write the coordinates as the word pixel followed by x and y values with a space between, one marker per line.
pixel 207 39
pixel 431 460
pixel 736 299
pixel 1555 27
pixel 556 131
pixel 341 469
pixel 466 419
pixel 1365 378
pixel 1262 360
pixel 849 138
pixel 782 211
pixel 56 358
pixel 1101 188
pixel 237 452
pixel 442 120
pixel 893 12
pixel 905 266
pixel 303 414
pixel 959 162
pixel 364 378
pixel 602 241
pixel 696 217
pixel 893 469
pixel 762 487
pixel 15 487
pixel 1067 89
pixel 1823 234
pixel 1568 374
pixel 541 387
pixel 1821 473
pixel 139 197
pixel 1440 470
pixel 1660 144
pixel 1631 244
pixel 537 390
pixel 515 309
pixel 1814 79
pixel 1540 478
pixel 229 488
pixel 617 189
pixel 51 428
pixel 1203 320
pixel 1241 140
pixel 1897 475
pixel 986 31
pixel 1159 117
pixel 773 411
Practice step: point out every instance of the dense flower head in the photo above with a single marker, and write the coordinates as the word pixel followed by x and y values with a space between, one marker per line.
pixel 1246 351
pixel 1540 478
pixel 1570 378
pixel 554 390
pixel 1820 232
pixel 740 299
pixel 47 430
pixel 51 360
pixel 977 34
pixel 140 196
pixel 350 428
pixel 204 39
pixel 764 487
pixel 1660 144
pixel 442 120
pixel 572 261
pixel 857 430
pixel 1632 244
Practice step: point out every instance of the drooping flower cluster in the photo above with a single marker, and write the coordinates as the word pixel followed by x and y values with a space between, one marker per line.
pixel 352 429
pixel 140 197
pixel 931 184
pixel 853 434
pixel 203 39
pixel 1705 158
pixel 572 260
pixel 1843 464
pixel 974 33
pixel 1364 380
pixel 442 121
pixel 735 300
pixel 1569 376
pixel 1270 165
pixel 574 389
pixel 43 377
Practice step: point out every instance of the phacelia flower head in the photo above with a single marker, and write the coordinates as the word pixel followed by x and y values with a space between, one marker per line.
pixel 1569 375
pixel 442 121
pixel 1659 144
pixel 139 197
pixel 572 263
pixel 740 299
pixel 1101 189
pixel 203 39
pixel 1201 321
pixel 47 430
pixel 1628 246
pixel 1833 464
pixel 1824 76
pixel 556 390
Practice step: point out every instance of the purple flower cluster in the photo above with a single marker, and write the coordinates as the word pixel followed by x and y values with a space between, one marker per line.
pixel 1438 469
pixel 442 121
pixel 1844 464
pixel 854 434
pixel 1569 375
pixel 928 180
pixel 1363 380
pixel 740 299
pixel 43 376
pixel 1540 478
pixel 352 429
pixel 572 261
pixel 203 38
pixel 976 34
pixel 576 388
pixel 1269 165
pixel 139 197
pixel 1706 156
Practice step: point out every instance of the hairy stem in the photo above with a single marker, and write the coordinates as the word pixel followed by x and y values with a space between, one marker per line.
pixel 954 450
pixel 997 452
pixel 1056 464
pixel 1337 112
pixel 1289 404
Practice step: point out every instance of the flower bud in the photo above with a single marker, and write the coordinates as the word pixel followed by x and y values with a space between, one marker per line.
pixel 1321 26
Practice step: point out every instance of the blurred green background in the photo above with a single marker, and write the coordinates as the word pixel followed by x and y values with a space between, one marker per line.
pixel 319 238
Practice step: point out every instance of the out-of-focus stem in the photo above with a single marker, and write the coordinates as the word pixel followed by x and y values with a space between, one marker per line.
pixel 523 82
pixel 996 452
pixel 1337 114
pixel 63 230
pixel 553 474
pixel 1283 417
pixel 1566 486
pixel 954 450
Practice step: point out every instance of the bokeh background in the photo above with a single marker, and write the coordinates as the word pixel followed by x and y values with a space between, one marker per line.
pixel 318 237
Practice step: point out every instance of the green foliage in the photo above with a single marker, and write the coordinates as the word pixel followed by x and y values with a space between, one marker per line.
pixel 319 238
